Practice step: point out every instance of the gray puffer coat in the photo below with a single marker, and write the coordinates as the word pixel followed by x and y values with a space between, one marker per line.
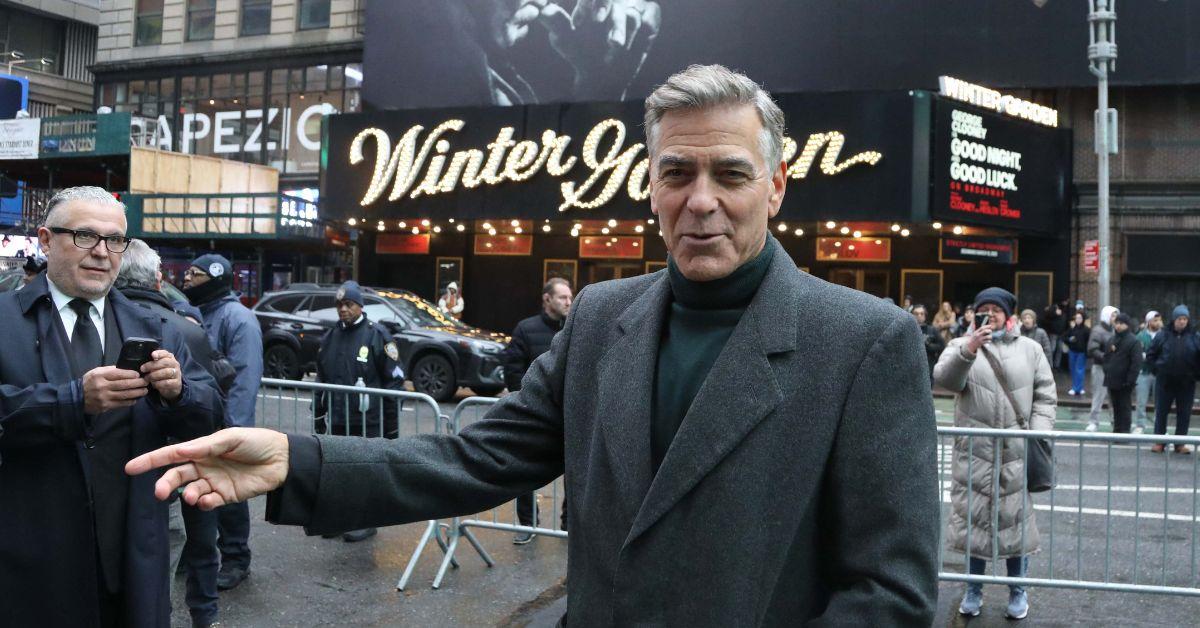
pixel 980 402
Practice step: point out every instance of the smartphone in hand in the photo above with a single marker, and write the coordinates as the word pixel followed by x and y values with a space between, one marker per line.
pixel 135 352
pixel 981 320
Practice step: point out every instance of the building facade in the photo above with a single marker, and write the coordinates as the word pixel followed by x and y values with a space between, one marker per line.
pixel 243 80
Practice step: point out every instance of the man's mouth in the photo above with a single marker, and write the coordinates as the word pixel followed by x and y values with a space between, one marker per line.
pixel 95 270
pixel 701 238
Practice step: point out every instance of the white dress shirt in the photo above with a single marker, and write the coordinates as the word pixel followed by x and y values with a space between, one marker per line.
pixel 62 304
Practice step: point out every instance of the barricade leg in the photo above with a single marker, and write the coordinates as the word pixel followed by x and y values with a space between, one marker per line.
pixel 430 531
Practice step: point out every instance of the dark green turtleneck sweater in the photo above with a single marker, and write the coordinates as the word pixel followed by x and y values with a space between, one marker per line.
pixel 703 315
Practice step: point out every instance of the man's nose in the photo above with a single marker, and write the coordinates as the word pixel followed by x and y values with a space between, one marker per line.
pixel 702 198
pixel 100 250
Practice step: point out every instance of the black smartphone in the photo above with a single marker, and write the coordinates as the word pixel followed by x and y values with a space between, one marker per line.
pixel 981 320
pixel 136 352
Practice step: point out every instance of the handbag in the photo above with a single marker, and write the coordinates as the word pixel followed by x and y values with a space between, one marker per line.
pixel 1039 458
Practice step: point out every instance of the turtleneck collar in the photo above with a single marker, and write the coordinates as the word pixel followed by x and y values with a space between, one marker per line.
pixel 732 291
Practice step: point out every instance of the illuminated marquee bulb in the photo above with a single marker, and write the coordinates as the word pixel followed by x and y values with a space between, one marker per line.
pixel 858 234
pixel 515 223
pixel 487 226
pixel 461 228
pixel 830 225
pixel 845 230
pixel 838 244
pixel 491 232
pixel 905 232
pixel 352 222
pixel 937 225
pixel 851 247
pixel 512 238
pixel 650 221
pixel 799 232
pixel 403 225
pixel 518 230
pixel 878 242
pixel 574 233
pixel 577 227
pixel 895 228
pixel 425 223
pixel 451 221
pixel 612 223
pixel 546 228
pixel 639 229
pixel 958 230
pixel 416 230
pixel 437 229
pixel 782 227
pixel 604 230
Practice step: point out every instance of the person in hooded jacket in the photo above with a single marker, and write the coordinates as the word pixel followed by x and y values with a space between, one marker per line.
pixel 988 476
pixel 451 301
pixel 1098 340
pixel 1122 364
pixel 234 331
pixel 1175 360
pixel 1076 340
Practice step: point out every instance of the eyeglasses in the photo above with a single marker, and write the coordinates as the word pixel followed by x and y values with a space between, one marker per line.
pixel 194 273
pixel 89 239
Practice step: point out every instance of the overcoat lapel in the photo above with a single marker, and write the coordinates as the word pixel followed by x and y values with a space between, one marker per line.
pixel 738 393
pixel 626 385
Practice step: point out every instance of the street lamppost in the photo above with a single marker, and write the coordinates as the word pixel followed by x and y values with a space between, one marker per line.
pixel 1102 53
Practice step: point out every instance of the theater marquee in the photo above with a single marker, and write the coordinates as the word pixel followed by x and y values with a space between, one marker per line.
pixel 845 154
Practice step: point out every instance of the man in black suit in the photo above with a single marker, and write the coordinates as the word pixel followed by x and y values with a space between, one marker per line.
pixel 80 542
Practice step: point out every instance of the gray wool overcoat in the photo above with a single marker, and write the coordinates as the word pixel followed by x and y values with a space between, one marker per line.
pixel 801 487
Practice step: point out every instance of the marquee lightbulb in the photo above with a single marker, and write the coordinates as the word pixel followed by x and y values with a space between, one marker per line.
pixel 518 230
pixel 782 227
pixel 830 225
pixel 639 229
pixel 425 223
pixel 403 225
pixel 546 228
pixel 958 230
pixel 437 229
pixel 612 222
pixel 487 226
pixel 799 232
pixel 352 222
pixel 895 228
pixel 845 230
pixel 461 228
pixel 604 230
pixel 416 230
pixel 379 226
pixel 937 225
pixel 491 232
pixel 858 234
pixel 905 232
pixel 650 221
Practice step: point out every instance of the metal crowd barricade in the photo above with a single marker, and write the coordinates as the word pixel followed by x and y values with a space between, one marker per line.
pixel 1113 497
pixel 289 406
pixel 460 527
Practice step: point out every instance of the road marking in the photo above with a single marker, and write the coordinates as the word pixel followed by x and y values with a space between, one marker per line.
pixel 1126 514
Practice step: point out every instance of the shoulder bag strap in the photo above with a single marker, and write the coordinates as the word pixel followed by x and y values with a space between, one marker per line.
pixel 996 368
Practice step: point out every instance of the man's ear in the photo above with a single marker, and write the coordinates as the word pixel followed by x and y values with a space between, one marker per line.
pixel 778 187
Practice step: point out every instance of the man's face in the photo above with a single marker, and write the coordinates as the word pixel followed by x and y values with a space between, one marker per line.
pixel 84 273
pixel 348 311
pixel 1120 327
pixel 194 276
pixel 1181 323
pixel 1155 323
pixel 557 304
pixel 919 314
pixel 997 318
pixel 711 190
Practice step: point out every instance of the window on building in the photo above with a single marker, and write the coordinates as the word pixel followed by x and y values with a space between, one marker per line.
pixel 256 17
pixel 148 23
pixel 39 41
pixel 314 14
pixel 201 19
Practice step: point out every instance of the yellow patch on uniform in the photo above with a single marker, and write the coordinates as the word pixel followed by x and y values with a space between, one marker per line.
pixel 364 354
pixel 392 351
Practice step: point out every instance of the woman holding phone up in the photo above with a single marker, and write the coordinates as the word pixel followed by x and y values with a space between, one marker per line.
pixel 990 370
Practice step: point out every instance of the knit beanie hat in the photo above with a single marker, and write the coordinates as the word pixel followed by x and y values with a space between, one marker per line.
pixel 999 297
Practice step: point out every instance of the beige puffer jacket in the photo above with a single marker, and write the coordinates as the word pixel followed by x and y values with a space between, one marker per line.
pixel 981 402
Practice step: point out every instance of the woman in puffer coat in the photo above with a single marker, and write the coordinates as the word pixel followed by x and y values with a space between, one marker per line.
pixel 980 402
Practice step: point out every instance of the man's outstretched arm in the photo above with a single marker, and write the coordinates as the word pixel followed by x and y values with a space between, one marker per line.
pixel 357 482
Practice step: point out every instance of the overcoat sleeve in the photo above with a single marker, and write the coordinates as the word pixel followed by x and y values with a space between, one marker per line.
pixel 42 413
pixel 367 482
pixel 199 407
pixel 882 517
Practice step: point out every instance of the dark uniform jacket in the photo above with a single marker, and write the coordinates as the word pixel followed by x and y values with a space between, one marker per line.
pixel 1174 355
pixel 64 497
pixel 1122 361
pixel 362 349
pixel 530 339
pixel 1077 338
pixel 826 454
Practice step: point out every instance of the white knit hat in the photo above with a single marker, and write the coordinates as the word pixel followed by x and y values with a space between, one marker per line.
pixel 1151 315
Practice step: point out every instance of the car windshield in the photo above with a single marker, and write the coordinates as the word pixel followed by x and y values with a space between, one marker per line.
pixel 421 312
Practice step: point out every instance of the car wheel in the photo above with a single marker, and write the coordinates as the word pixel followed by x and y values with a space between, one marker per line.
pixel 281 362
pixel 434 376
pixel 487 391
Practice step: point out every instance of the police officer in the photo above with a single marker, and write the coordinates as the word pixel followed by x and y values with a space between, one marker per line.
pixel 357 352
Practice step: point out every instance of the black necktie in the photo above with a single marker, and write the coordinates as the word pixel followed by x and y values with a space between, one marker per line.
pixel 85 340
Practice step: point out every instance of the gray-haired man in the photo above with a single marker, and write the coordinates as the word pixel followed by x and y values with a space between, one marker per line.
pixel 686 407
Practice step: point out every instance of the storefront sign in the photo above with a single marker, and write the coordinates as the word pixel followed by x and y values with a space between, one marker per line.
pixel 854 249
pixel 990 250
pixel 503 245
pixel 556 161
pixel 238 131
pixel 986 98
pixel 611 247
pixel 19 138
pixel 989 170
pixel 1091 256
pixel 402 244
